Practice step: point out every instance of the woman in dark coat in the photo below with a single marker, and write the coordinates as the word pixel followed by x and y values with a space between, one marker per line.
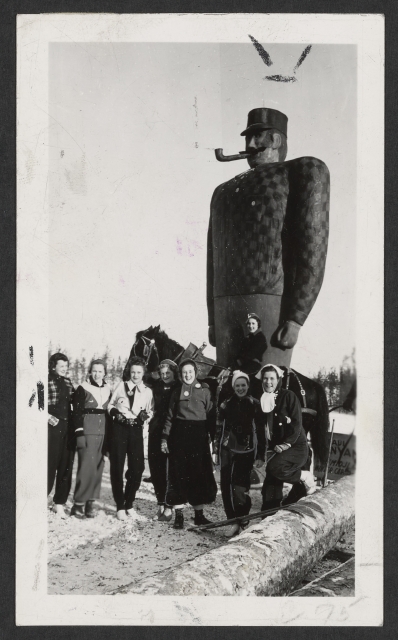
pixel 253 346
pixel 285 438
pixel 186 438
pixel 90 403
pixel 162 390
pixel 239 443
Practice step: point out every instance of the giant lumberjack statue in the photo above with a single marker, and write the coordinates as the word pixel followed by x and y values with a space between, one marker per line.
pixel 267 242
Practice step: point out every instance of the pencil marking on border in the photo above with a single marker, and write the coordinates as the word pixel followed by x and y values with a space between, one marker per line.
pixel 264 55
pixel 302 57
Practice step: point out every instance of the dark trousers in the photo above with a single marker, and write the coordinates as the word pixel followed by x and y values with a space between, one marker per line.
pixel 126 441
pixel 157 465
pixel 235 482
pixel 89 470
pixel 60 462
pixel 283 467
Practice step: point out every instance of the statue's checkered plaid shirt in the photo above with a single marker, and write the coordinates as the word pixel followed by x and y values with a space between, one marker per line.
pixel 268 233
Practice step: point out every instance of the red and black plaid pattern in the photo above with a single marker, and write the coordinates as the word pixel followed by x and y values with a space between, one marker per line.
pixel 268 234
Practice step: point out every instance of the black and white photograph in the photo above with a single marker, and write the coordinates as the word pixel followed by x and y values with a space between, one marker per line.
pixel 200 296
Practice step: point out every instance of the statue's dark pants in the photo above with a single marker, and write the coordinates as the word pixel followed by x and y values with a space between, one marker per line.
pixel 230 319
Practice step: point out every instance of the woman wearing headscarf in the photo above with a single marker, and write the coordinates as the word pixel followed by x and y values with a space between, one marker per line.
pixel 253 346
pixel 90 403
pixel 239 443
pixel 162 390
pixel 286 439
pixel 185 437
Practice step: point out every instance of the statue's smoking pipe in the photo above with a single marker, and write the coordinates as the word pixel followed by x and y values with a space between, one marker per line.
pixel 240 156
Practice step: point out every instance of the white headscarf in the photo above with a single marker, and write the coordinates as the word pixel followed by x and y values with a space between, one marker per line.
pixel 267 400
pixel 279 372
pixel 239 374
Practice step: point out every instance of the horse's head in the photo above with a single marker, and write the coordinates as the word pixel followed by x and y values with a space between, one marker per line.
pixel 149 333
pixel 145 347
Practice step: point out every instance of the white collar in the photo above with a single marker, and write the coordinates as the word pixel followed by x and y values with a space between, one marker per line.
pixel 131 385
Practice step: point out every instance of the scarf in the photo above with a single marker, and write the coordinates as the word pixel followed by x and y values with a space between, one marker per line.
pixel 267 401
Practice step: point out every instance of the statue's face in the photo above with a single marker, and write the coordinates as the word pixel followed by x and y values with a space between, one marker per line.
pixel 258 140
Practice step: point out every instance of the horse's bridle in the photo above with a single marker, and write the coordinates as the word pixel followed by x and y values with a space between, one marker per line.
pixel 149 346
pixel 304 409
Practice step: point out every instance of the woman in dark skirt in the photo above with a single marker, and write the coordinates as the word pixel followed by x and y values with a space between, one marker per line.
pixel 239 443
pixel 90 403
pixel 162 390
pixel 253 346
pixel 185 437
pixel 285 438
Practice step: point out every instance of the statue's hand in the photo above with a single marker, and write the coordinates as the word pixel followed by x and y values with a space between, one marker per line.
pixel 287 335
pixel 212 335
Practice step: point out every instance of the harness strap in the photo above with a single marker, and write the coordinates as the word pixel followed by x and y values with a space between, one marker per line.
pixel 179 355
pixel 147 347
pixel 304 409
pixel 301 388
pixel 312 412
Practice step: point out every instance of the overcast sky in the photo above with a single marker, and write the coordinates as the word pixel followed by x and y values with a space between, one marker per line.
pixel 133 127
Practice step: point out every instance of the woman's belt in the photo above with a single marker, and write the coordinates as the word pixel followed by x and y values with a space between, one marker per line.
pixel 128 422
pixel 93 411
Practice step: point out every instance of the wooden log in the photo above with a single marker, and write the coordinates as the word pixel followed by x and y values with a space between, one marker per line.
pixel 267 559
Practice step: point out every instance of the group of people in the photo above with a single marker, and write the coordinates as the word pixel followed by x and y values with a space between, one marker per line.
pixel 187 436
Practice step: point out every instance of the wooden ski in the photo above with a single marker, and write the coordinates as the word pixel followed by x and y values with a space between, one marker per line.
pixel 224 523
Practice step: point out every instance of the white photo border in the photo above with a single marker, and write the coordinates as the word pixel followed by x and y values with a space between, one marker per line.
pixel 33 605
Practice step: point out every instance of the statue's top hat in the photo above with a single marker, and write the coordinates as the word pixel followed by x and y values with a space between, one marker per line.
pixel 260 119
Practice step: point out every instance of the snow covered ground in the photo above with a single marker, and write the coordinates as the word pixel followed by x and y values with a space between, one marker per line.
pixel 98 555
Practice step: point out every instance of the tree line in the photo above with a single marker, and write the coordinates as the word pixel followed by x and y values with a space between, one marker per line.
pixel 336 382
pixel 79 367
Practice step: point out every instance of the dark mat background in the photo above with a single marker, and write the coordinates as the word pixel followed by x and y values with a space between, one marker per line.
pixel 8 12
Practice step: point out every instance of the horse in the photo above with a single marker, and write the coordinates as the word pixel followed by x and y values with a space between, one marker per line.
pixel 154 345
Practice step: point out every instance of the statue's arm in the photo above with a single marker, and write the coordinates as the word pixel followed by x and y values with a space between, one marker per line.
pixel 308 226
pixel 210 275
pixel 210 279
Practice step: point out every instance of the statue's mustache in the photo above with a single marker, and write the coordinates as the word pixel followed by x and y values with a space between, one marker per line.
pixel 239 156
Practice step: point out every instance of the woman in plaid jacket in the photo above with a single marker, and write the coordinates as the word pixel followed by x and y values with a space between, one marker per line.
pixel 60 433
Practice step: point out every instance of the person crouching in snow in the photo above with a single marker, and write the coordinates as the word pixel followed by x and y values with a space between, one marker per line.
pixel 285 437
pixel 239 443
pixel 185 439
pixel 131 407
